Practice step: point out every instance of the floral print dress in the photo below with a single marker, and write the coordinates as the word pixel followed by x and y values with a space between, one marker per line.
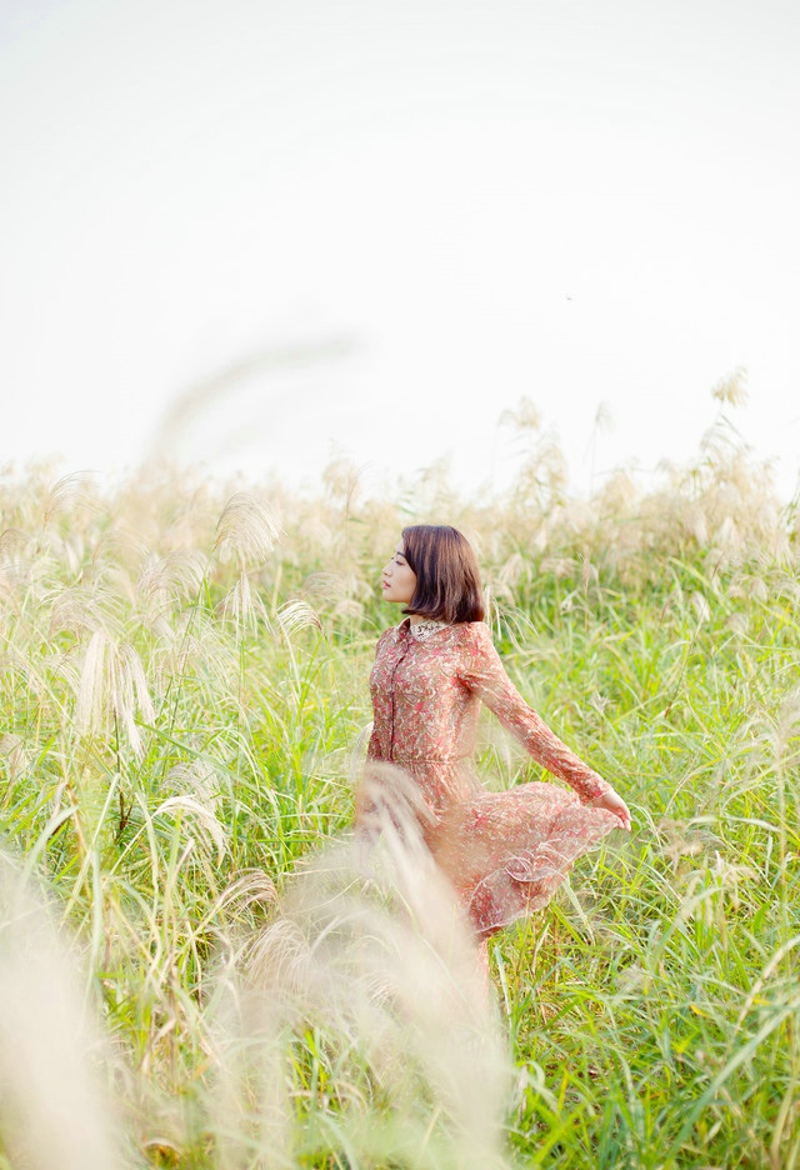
pixel 504 852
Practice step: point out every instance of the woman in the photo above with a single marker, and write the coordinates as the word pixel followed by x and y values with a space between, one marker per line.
pixel 505 853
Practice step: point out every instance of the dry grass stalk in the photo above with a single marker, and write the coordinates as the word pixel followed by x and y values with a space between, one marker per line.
pixel 370 946
pixel 53 1113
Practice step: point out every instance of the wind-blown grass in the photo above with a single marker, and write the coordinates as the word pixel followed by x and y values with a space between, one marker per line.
pixel 184 708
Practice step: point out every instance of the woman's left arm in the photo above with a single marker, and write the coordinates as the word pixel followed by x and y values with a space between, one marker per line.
pixel 483 673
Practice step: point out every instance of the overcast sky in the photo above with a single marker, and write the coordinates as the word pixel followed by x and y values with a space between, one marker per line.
pixel 258 233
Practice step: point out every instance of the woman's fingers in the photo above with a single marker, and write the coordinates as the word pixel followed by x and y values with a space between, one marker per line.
pixel 615 804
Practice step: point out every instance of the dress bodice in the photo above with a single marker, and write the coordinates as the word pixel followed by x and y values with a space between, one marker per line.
pixel 427 695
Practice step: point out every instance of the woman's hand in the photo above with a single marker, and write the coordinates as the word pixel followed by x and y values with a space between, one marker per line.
pixel 615 804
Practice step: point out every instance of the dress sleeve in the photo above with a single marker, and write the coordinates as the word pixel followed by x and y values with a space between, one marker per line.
pixel 483 673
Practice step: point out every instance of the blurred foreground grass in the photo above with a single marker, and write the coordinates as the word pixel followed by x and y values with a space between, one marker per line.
pixel 183 698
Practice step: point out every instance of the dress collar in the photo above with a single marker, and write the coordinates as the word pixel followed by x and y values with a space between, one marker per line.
pixel 422 630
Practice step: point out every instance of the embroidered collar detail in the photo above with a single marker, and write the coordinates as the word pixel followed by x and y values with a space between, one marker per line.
pixel 424 630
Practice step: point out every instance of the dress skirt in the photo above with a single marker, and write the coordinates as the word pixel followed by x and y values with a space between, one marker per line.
pixel 506 853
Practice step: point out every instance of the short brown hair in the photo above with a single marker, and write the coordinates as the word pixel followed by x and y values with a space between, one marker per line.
pixel 448 579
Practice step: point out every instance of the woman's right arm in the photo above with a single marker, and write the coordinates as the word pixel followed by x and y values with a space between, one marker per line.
pixel 484 674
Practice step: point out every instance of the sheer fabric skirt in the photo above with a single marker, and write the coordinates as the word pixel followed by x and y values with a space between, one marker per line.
pixel 505 853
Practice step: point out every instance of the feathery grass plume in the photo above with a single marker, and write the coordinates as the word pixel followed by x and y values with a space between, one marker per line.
pixel 13 544
pixel 370 950
pixel 89 709
pixel 24 493
pixel 197 778
pixel 113 683
pixel 252 888
pixel 206 820
pixel 342 595
pixel 195 647
pixel 701 607
pixel 787 728
pixel 196 401
pixel 429 493
pixel 246 532
pixel 13 749
pixel 166 581
pixel 541 480
pixel 509 575
pixel 16 575
pixel 326 586
pixel 86 608
pixel 22 670
pixel 70 489
pixel 526 416
pixel 296 615
pixel 53 1112
pixel 732 389
pixel 342 480
pixel 242 606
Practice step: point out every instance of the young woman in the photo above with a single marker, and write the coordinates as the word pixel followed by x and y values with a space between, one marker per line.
pixel 505 853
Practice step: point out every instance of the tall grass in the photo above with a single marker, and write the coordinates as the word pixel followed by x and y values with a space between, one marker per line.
pixel 184 706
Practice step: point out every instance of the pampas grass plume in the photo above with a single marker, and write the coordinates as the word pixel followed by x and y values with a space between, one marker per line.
pixel 53 1113
pixel 246 531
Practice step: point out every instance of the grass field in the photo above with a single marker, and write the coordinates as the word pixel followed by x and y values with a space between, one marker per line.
pixel 183 700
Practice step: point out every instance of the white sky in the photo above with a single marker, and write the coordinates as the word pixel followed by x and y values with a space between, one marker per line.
pixel 444 205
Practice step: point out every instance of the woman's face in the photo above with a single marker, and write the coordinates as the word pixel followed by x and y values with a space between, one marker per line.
pixel 399 579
